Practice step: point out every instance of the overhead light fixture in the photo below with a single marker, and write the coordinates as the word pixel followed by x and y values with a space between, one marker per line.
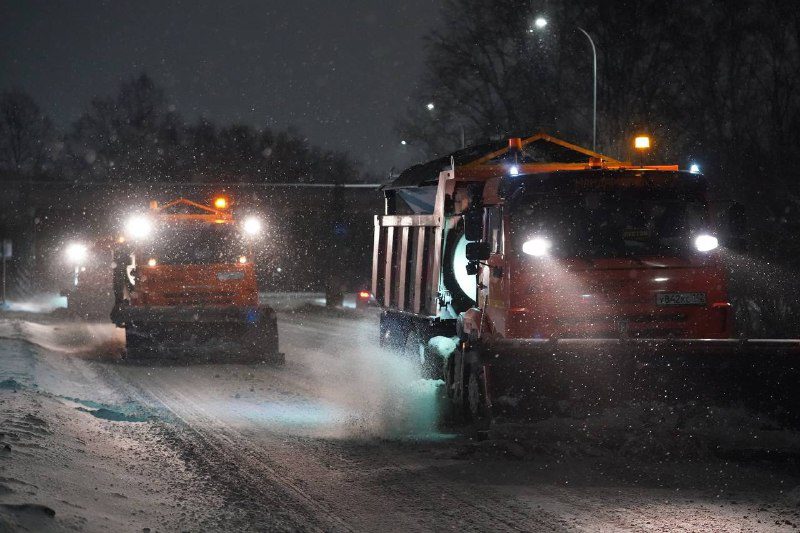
pixel 642 142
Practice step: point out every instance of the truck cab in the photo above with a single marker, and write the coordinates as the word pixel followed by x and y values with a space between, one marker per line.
pixel 598 253
pixel 185 278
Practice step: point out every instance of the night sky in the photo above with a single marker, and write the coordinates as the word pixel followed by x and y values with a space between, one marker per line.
pixel 340 72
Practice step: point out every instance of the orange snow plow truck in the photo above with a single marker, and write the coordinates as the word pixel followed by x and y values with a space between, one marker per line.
pixel 539 276
pixel 184 280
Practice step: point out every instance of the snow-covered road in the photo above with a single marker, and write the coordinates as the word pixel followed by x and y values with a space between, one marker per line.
pixel 343 437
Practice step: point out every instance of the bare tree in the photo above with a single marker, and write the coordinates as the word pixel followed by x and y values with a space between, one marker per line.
pixel 25 133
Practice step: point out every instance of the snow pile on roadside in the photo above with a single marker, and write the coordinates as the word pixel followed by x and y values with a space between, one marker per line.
pixel 654 430
pixel 64 469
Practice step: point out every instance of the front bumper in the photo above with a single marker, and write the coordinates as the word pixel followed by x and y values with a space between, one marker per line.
pixel 138 315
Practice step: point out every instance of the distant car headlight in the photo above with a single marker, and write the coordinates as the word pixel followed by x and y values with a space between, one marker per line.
pixel 138 227
pixel 77 253
pixel 705 243
pixel 537 246
pixel 252 226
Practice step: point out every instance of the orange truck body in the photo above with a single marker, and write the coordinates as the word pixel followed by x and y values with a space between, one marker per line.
pixel 580 317
pixel 193 280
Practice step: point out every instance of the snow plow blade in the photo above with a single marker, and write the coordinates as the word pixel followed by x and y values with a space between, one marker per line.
pixel 205 333
pixel 537 378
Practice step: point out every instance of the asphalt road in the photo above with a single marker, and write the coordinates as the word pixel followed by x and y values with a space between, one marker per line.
pixel 345 437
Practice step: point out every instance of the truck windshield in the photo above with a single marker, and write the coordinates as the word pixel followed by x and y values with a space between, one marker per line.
pixel 609 224
pixel 196 244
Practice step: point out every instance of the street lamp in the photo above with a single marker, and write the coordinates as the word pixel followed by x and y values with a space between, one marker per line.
pixel 406 144
pixel 430 106
pixel 540 23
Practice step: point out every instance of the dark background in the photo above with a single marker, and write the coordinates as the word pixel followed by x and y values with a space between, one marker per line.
pixel 334 70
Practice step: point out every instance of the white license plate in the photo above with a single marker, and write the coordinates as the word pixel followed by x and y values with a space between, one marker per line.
pixel 681 298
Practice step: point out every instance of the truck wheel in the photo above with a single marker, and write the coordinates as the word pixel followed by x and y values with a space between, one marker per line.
pixel 448 372
pixel 476 398
pixel 457 390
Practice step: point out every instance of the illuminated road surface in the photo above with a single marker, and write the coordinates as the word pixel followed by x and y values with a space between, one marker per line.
pixel 345 437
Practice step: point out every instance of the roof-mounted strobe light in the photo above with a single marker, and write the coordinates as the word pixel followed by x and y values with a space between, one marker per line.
pixel 642 145
pixel 705 243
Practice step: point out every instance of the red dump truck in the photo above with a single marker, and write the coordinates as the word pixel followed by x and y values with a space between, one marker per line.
pixel 562 274
pixel 184 279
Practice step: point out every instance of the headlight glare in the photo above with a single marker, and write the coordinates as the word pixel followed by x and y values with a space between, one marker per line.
pixel 705 243
pixel 76 253
pixel 138 227
pixel 252 226
pixel 537 246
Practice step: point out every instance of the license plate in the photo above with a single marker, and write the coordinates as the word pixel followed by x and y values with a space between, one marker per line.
pixel 681 298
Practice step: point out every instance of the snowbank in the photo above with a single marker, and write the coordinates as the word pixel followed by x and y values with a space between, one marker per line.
pixel 65 469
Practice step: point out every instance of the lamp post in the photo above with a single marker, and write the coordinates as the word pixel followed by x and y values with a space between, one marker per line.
pixel 540 23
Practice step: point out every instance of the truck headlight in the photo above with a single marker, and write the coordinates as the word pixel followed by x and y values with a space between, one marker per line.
pixel 705 243
pixel 537 246
pixel 252 226
pixel 138 227
pixel 76 253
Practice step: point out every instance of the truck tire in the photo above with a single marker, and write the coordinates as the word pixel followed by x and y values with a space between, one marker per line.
pixel 468 388
pixel 457 387
pixel 479 412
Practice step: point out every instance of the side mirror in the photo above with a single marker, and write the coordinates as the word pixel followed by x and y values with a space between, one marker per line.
pixel 473 224
pixel 478 251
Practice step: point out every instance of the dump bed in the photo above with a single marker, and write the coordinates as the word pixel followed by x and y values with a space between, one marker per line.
pixel 407 251
pixel 406 262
